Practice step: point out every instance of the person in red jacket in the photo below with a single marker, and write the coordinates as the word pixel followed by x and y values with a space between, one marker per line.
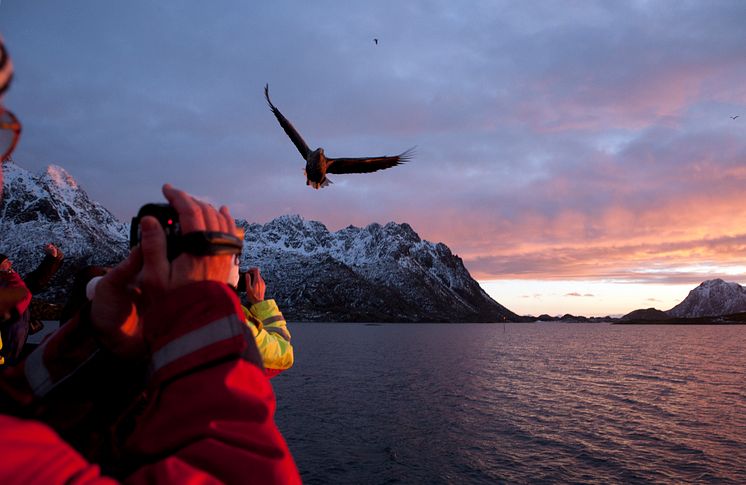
pixel 141 385
pixel 14 296
pixel 158 380
pixel 16 321
pixel 14 314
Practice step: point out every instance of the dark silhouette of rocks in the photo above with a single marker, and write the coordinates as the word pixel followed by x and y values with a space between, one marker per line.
pixel 651 314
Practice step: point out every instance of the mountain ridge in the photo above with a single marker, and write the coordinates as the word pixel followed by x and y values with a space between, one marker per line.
pixel 379 273
pixel 51 207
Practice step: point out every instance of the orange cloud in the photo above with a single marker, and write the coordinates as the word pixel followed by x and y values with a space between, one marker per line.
pixel 622 242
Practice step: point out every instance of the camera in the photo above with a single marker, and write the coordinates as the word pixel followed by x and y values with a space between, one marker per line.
pixel 198 243
pixel 169 219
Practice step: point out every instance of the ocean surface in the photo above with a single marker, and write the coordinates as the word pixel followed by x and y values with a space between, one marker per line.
pixel 520 403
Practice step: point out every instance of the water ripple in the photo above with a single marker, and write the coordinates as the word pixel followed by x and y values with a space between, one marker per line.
pixel 544 403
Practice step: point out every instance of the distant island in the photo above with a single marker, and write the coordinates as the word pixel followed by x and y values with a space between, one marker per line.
pixel 712 302
pixel 733 319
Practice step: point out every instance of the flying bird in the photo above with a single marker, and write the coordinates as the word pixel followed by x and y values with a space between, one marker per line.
pixel 376 41
pixel 734 117
pixel 318 165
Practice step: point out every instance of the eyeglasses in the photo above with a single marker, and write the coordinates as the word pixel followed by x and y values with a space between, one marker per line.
pixel 10 132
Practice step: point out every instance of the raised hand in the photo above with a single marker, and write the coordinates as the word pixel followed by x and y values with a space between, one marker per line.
pixel 139 282
pixel 255 286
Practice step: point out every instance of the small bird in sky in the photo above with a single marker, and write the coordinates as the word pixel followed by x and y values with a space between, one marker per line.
pixel 376 41
pixel 734 117
pixel 318 165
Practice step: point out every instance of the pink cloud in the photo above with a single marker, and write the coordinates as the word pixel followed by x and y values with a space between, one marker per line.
pixel 659 96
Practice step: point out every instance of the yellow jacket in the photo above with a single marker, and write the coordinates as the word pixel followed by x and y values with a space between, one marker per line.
pixel 271 334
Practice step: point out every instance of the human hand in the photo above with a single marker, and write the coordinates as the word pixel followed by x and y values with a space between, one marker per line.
pixel 255 286
pixel 158 274
pixel 114 313
pixel 53 251
pixel 141 281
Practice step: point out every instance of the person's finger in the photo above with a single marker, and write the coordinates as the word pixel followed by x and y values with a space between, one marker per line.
pixel 226 220
pixel 223 220
pixel 154 252
pixel 190 213
pixel 125 272
pixel 254 272
pixel 231 223
pixel 210 215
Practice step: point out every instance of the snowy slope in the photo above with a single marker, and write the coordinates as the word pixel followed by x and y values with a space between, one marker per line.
pixel 383 273
pixel 711 298
pixel 51 207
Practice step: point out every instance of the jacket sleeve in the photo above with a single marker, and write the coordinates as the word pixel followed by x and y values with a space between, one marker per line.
pixel 209 410
pixel 16 296
pixel 209 399
pixel 272 336
pixel 34 454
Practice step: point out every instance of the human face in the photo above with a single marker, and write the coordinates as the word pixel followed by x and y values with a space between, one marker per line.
pixel 6 265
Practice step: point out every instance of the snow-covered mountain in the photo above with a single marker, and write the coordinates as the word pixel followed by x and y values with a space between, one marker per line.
pixel 711 298
pixel 375 274
pixel 51 207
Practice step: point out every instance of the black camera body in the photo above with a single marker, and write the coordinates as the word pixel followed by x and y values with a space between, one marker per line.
pixel 198 243
pixel 169 219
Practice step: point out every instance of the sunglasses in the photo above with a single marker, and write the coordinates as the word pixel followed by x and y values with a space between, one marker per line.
pixel 10 132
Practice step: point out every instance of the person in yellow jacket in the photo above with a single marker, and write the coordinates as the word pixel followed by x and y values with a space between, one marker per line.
pixel 263 317
pixel 268 325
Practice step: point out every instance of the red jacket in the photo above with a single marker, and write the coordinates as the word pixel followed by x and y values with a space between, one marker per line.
pixel 11 279
pixel 206 414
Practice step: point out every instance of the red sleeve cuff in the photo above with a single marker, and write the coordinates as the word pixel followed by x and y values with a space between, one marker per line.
pixel 197 324
pixel 60 355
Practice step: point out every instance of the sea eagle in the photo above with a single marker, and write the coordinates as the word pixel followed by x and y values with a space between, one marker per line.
pixel 318 165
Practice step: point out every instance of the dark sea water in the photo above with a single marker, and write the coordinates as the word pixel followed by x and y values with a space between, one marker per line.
pixel 527 403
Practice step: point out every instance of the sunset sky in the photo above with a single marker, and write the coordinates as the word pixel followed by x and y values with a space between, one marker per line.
pixel 579 156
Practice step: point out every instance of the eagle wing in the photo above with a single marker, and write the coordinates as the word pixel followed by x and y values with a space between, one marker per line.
pixel 367 164
pixel 295 137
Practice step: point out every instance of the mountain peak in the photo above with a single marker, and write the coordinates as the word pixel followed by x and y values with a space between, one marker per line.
pixel 59 177
pixel 711 298
pixel 52 207
pixel 294 219
pixel 715 282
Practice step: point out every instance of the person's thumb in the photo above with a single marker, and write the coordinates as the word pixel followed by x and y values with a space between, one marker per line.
pixel 155 260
